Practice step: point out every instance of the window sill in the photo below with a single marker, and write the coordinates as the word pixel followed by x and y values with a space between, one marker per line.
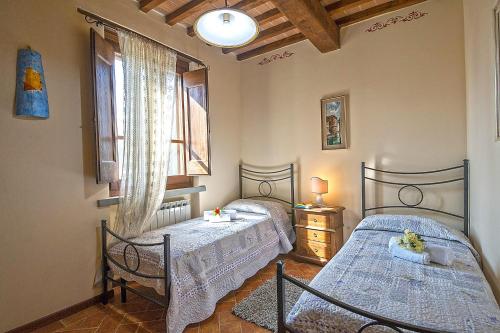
pixel 168 194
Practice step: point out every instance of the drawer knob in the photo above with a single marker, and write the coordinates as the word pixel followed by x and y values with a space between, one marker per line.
pixel 316 250
pixel 315 234
pixel 315 220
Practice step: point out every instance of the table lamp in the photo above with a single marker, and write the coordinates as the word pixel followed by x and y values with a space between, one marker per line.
pixel 319 187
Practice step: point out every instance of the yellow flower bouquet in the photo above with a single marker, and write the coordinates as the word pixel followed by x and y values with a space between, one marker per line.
pixel 412 241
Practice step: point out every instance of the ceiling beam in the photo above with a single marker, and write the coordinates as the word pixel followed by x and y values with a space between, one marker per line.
pixel 248 4
pixel 342 22
pixel 340 7
pixel 271 46
pixel 269 16
pixel 147 5
pixel 265 17
pixel 265 35
pixel 376 11
pixel 185 11
pixel 311 18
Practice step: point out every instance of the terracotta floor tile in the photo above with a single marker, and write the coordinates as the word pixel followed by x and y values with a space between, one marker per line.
pixel 227 317
pixel 225 307
pixel 139 317
pixel 110 324
pixel 53 327
pixel 157 326
pixel 129 328
pixel 232 327
pixel 142 316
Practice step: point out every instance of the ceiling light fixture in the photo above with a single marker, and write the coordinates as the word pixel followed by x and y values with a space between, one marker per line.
pixel 226 27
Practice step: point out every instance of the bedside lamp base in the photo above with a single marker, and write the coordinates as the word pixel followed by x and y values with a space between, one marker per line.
pixel 319 200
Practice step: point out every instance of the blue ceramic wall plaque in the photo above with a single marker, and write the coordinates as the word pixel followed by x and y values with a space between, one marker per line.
pixel 31 92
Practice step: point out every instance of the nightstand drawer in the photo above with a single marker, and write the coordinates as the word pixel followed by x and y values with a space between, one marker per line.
pixel 315 235
pixel 315 249
pixel 313 220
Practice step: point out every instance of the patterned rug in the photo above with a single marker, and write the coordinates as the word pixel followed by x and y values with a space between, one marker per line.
pixel 260 307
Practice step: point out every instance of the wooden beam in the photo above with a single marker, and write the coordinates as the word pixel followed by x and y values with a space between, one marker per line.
pixel 147 5
pixel 271 46
pixel 376 11
pixel 340 7
pixel 269 16
pixel 248 4
pixel 185 11
pixel 266 34
pixel 311 18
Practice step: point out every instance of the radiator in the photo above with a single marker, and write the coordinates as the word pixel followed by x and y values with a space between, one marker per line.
pixel 171 213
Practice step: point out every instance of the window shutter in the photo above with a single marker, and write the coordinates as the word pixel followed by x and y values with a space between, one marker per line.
pixel 103 58
pixel 197 122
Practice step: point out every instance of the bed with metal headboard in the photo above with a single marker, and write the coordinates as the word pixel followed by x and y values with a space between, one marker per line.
pixel 193 264
pixel 444 178
pixel 365 288
pixel 265 181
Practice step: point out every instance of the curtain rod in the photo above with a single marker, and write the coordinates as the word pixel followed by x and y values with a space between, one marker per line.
pixel 93 18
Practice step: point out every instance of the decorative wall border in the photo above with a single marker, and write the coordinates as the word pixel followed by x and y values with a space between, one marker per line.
pixel 274 57
pixel 414 15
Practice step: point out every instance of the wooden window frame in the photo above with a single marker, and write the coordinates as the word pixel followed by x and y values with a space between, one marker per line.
pixel 173 182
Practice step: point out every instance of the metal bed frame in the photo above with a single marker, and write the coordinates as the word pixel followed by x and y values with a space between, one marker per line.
pixel 265 189
pixel 135 271
pixel 377 320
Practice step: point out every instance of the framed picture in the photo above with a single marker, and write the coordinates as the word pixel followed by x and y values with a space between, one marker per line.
pixel 497 69
pixel 334 122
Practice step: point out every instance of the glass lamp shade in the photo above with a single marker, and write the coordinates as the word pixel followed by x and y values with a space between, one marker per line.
pixel 226 27
pixel 318 185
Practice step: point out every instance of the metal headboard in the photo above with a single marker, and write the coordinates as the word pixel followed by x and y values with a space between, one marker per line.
pixel 266 177
pixel 416 186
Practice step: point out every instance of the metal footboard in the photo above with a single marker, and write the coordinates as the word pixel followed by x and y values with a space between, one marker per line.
pixel 376 320
pixel 105 231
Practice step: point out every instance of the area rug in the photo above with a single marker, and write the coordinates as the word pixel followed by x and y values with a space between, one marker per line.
pixel 260 307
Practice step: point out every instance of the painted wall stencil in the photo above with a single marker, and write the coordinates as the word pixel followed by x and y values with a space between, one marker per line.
pixel 414 15
pixel 31 92
pixel 275 57
pixel 334 129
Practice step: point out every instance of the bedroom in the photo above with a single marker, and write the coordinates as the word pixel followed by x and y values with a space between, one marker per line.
pixel 421 96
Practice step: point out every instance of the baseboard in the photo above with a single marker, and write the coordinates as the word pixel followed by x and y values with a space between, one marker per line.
pixel 59 314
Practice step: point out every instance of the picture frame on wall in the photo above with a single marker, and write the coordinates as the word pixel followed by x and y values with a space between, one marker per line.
pixel 497 69
pixel 334 125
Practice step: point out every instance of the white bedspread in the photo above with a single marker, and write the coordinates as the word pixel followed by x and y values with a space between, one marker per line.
pixel 210 259
pixel 453 298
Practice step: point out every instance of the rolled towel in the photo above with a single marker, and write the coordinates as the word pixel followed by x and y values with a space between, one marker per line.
pixel 402 253
pixel 440 254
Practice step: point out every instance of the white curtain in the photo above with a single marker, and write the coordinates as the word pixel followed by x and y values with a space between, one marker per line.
pixel 150 93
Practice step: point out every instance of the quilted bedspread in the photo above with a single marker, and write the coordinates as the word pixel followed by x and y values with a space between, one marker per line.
pixel 365 275
pixel 209 259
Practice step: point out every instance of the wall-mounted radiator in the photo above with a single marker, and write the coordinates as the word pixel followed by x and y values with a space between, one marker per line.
pixel 171 213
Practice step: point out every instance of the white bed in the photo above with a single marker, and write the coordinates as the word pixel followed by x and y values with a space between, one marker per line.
pixel 209 259
pixel 365 275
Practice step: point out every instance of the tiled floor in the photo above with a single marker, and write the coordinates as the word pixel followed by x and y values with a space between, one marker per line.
pixel 141 316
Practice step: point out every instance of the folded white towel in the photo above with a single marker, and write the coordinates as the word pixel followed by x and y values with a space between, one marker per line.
pixel 440 254
pixel 402 253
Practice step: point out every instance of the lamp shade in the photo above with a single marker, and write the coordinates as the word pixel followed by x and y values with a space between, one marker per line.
pixel 226 27
pixel 31 93
pixel 319 185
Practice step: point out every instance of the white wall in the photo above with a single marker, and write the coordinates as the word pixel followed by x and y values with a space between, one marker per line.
pixel 482 149
pixel 48 213
pixel 406 98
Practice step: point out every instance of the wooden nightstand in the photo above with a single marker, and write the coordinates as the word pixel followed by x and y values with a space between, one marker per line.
pixel 319 234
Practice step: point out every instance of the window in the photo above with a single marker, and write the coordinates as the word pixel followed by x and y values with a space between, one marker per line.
pixel 177 162
pixel 190 139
